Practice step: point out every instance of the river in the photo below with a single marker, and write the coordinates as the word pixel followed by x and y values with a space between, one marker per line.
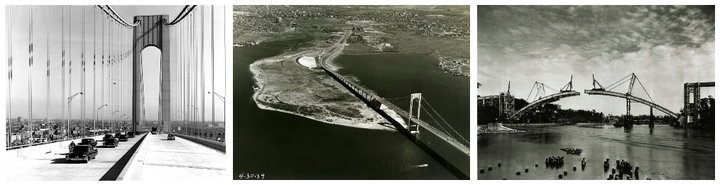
pixel 284 146
pixel 661 153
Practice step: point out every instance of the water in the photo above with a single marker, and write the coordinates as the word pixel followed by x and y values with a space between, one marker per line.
pixel 393 75
pixel 283 146
pixel 661 153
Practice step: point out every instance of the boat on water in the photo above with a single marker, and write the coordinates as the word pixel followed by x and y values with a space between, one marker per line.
pixel 574 151
pixel 255 87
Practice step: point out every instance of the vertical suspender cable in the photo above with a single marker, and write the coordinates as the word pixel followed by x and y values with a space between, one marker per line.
pixel 186 41
pixel 194 71
pixel 30 72
pixel 202 68
pixel 94 75
pixel 111 78
pixel 9 59
pixel 183 87
pixel 102 70
pixel 191 72
pixel 70 65
pixel 82 74
pixel 177 94
pixel 224 65
pixel 47 59
pixel 119 74
pixel 62 97
pixel 212 60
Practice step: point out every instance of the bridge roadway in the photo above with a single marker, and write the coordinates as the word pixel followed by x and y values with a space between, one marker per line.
pixel 160 159
pixel 41 163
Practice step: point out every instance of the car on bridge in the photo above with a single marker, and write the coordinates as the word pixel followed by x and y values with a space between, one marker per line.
pixel 171 137
pixel 88 141
pixel 110 140
pixel 82 153
pixel 122 136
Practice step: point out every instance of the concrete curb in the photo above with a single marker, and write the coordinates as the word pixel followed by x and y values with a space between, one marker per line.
pixel 133 169
pixel 118 170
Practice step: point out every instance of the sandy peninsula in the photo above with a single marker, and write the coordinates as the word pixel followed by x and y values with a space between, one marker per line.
pixel 285 85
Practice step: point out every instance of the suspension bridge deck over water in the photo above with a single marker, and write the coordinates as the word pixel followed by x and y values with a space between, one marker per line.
pixel 432 123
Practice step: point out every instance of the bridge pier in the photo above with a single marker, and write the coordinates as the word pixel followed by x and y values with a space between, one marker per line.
pixel 652 119
pixel 628 117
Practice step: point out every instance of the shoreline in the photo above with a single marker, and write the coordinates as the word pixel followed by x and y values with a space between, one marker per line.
pixel 260 82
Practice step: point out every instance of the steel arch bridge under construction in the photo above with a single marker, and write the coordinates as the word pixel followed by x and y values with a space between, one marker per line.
pixel 567 91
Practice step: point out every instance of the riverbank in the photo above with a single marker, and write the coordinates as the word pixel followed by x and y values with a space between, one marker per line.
pixel 532 124
pixel 497 128
pixel 286 86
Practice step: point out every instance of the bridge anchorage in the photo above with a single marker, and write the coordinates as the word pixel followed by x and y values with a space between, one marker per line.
pixel 542 98
pixel 629 97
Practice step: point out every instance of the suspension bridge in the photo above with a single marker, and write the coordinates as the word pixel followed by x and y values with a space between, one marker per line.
pixel 412 115
pixel 94 54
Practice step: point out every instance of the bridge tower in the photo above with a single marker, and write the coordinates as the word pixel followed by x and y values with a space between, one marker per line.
pixel 628 117
pixel 151 32
pixel 652 119
pixel 692 100
pixel 412 127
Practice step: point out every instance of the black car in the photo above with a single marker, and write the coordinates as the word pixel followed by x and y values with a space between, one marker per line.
pixel 82 153
pixel 88 141
pixel 122 136
pixel 109 141
pixel 170 137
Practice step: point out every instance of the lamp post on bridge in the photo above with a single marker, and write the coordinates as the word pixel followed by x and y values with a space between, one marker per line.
pixel 194 117
pixel 183 121
pixel 222 98
pixel 96 117
pixel 120 119
pixel 68 119
pixel 112 116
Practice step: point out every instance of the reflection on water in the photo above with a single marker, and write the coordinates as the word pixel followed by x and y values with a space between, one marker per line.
pixel 661 153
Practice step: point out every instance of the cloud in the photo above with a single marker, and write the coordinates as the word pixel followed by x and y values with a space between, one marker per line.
pixel 665 46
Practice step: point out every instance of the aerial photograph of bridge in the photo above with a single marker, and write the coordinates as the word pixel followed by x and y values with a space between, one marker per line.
pixel 596 92
pixel 351 92
pixel 114 93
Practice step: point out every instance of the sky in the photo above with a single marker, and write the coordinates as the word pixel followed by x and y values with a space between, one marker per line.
pixel 665 46
pixel 21 70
